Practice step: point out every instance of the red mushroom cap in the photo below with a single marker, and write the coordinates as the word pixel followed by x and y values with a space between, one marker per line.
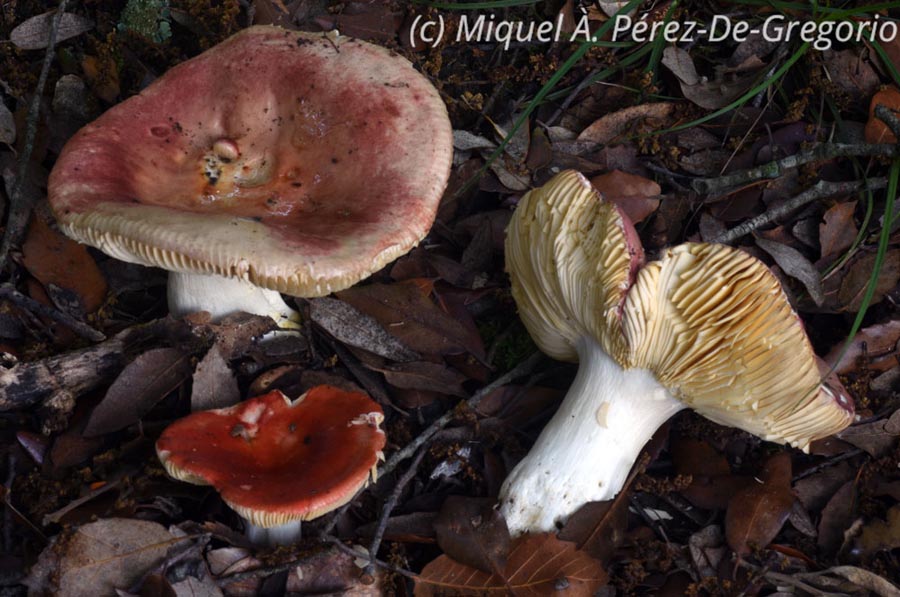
pixel 275 461
pixel 302 162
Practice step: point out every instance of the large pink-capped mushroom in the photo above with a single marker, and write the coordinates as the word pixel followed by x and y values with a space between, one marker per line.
pixel 706 327
pixel 276 162
pixel 278 462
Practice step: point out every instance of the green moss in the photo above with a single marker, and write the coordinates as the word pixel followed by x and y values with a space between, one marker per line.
pixel 147 18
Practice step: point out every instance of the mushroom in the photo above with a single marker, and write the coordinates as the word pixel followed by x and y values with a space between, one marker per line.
pixel 276 162
pixel 705 326
pixel 278 462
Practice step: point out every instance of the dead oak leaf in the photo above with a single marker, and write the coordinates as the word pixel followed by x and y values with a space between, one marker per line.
pixel 537 565
pixel 100 557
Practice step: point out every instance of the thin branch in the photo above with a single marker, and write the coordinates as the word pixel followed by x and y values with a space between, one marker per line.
pixel 19 205
pixel 820 190
pixel 520 370
pixel 889 117
pixel 350 551
pixel 8 291
pixel 821 152
pixel 389 506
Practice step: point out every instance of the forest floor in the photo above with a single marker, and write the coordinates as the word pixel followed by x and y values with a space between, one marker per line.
pixel 768 145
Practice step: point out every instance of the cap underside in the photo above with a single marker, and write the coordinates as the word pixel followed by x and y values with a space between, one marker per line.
pixel 711 322
pixel 298 161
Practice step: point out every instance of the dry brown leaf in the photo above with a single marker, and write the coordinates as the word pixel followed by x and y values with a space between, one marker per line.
pixel 876 130
pixel 472 532
pixel 837 516
pixel 55 259
pixel 352 327
pixel 34 33
pixel 214 384
pixel 711 95
pixel 422 375
pixel 851 72
pixel 408 313
pixel 857 273
pixel 538 565
pixel 635 195
pixel 757 513
pixel 100 557
pixel 7 125
pixel 876 437
pixel 608 128
pixel 878 344
pixel 142 383
pixel 795 265
pixel 838 230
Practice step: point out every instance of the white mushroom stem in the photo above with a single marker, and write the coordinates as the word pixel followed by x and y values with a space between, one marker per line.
pixel 285 534
pixel 586 451
pixel 220 296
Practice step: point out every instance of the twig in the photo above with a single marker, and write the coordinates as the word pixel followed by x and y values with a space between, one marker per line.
pixel 821 152
pixel 523 368
pixel 389 506
pixel 349 550
pixel 8 291
pixel 19 205
pixel 888 116
pixel 582 85
pixel 777 578
pixel 825 464
pixel 820 190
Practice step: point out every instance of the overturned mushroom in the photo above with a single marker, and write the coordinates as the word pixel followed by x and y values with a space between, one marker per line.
pixel 275 162
pixel 277 462
pixel 706 327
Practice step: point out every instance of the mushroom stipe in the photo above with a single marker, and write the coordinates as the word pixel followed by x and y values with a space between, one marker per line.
pixel 705 326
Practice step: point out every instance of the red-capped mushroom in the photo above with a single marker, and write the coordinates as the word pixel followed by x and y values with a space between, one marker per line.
pixel 277 161
pixel 278 462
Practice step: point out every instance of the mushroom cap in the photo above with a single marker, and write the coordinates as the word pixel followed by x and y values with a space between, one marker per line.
pixel 571 257
pixel 710 322
pixel 301 162
pixel 275 461
pixel 717 330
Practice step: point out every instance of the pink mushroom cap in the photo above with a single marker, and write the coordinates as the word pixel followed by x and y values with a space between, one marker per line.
pixel 301 162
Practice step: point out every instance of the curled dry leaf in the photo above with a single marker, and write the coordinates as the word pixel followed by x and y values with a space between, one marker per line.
pixel 100 557
pixel 144 382
pixel 757 513
pixel 537 565
pixel 34 33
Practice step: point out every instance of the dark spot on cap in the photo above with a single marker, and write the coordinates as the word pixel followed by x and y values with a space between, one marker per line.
pixel 307 440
